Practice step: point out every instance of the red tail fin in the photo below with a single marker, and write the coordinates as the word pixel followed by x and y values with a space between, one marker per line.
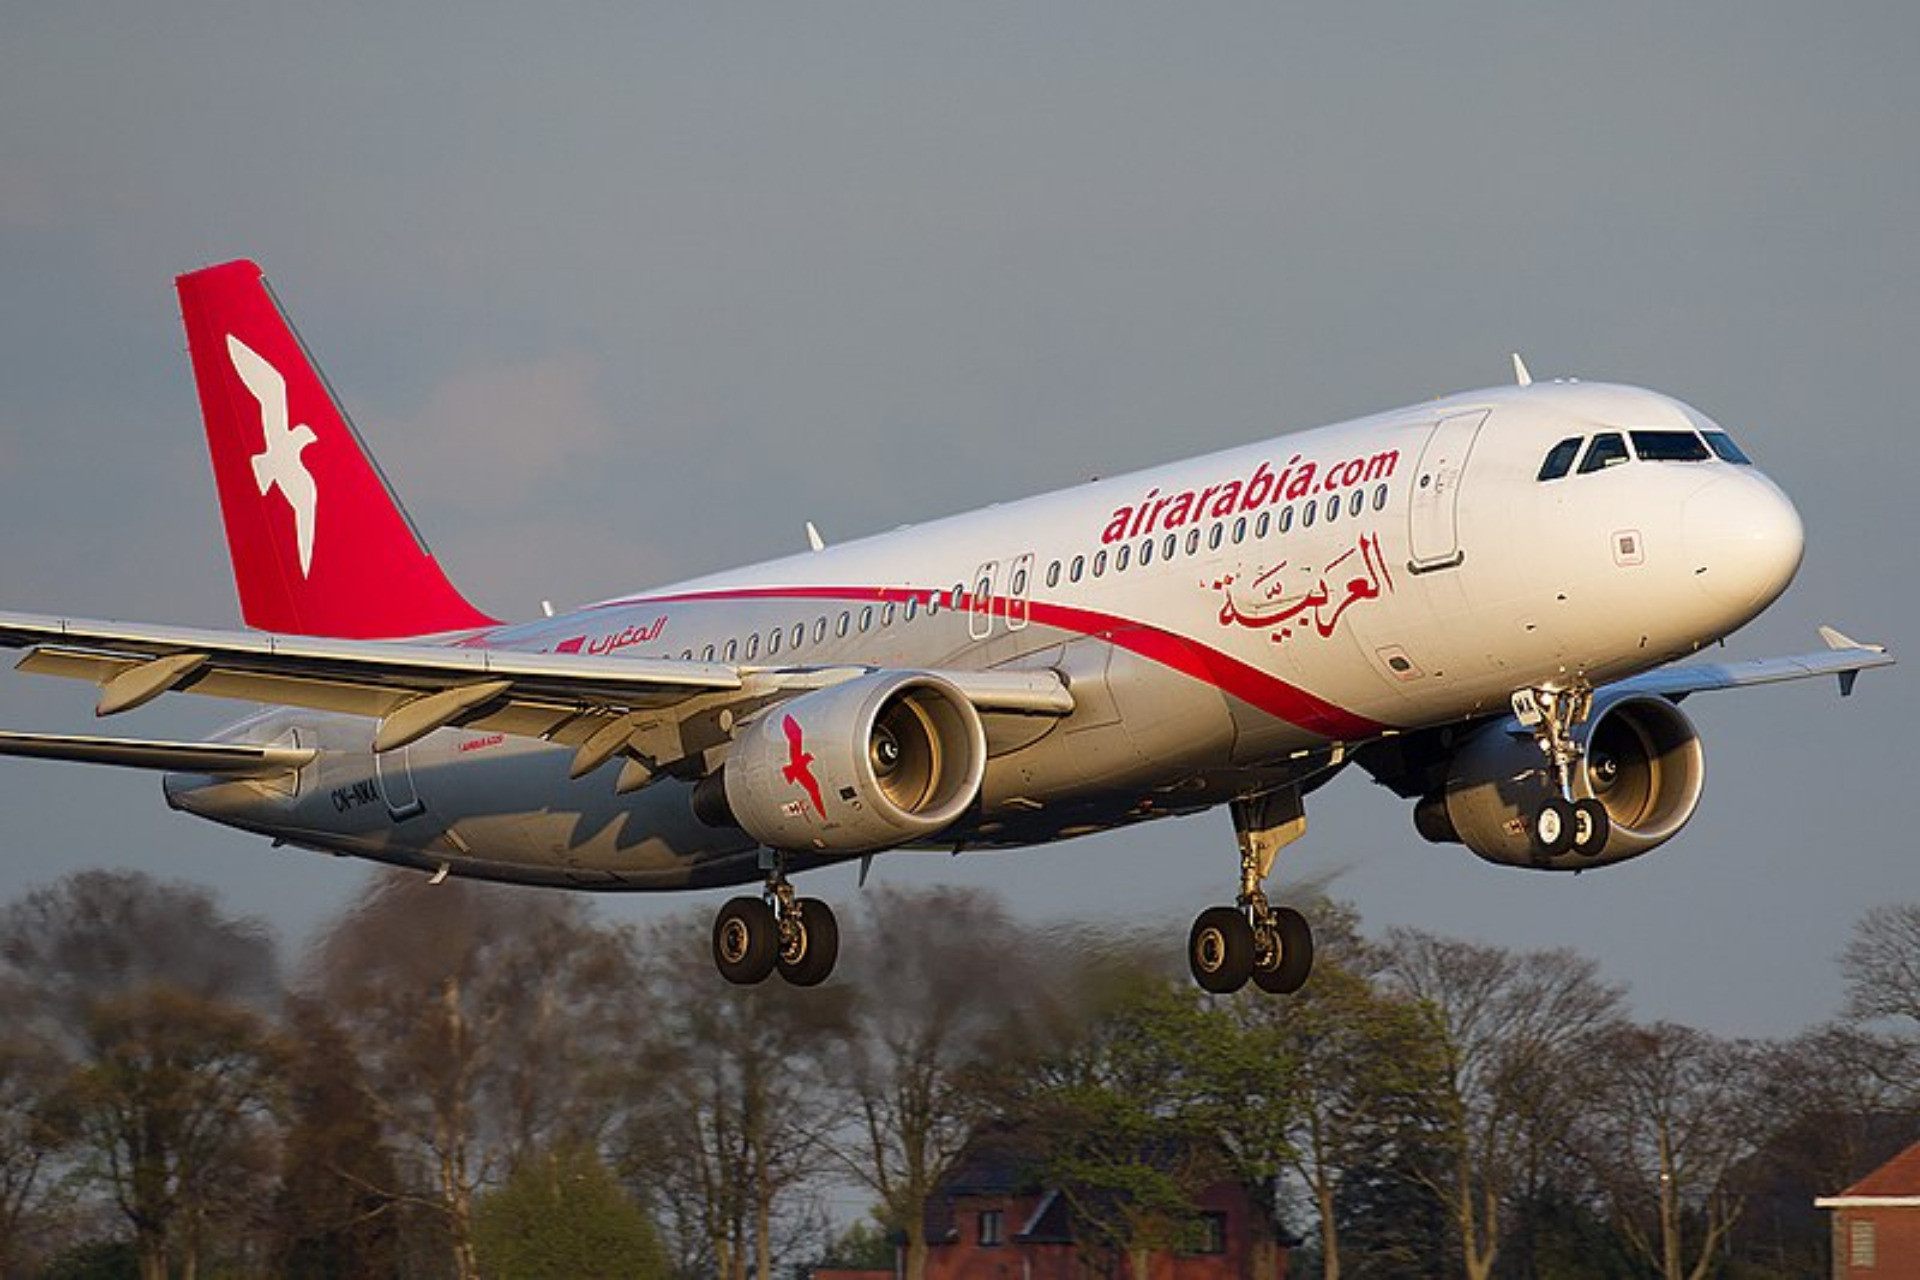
pixel 320 545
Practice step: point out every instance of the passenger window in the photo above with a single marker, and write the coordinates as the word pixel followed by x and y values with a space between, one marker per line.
pixel 1215 536
pixel 1380 498
pixel 1356 503
pixel 913 607
pixel 933 604
pixel 1609 449
pixel 1121 557
pixel 1079 567
pixel 733 650
pixel 753 646
pixel 1261 524
pixel 1308 512
pixel 1560 459
pixel 1333 507
pixel 886 614
pixel 819 630
pixel 773 641
pixel 1099 563
pixel 866 619
pixel 1168 546
pixel 1669 446
pixel 1723 446
pixel 1053 575
pixel 1146 553
pixel 1193 541
pixel 707 656
pixel 1239 531
pixel 1286 518
pixel 840 627
pixel 799 633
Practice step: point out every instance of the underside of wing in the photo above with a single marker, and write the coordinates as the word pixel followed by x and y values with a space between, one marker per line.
pixel 1843 659
pixel 232 760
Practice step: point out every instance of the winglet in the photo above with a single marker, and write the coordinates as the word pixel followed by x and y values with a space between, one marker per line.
pixel 1520 374
pixel 1837 641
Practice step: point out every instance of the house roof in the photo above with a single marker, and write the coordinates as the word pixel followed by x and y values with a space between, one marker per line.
pixel 1895 1184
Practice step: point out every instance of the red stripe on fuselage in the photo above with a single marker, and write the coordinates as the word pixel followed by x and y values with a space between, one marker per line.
pixel 1210 666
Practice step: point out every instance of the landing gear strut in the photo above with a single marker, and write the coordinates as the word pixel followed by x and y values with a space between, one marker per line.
pixel 1561 822
pixel 754 936
pixel 1253 938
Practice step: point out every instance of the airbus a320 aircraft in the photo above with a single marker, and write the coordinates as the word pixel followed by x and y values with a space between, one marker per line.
pixel 1476 600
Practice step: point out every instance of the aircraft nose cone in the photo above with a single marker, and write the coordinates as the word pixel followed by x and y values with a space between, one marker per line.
pixel 1744 541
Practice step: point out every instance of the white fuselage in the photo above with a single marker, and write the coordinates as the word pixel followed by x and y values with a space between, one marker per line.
pixel 1223 623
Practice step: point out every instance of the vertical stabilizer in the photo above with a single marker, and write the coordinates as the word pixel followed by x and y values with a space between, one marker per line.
pixel 320 545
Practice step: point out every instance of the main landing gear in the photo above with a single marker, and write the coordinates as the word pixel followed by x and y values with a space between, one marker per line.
pixel 754 936
pixel 1253 938
pixel 1561 823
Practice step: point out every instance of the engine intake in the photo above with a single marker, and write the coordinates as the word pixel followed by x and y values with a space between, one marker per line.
pixel 874 762
pixel 1643 761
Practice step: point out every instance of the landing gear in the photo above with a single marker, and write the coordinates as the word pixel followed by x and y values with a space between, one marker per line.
pixel 1561 822
pixel 752 937
pixel 1254 939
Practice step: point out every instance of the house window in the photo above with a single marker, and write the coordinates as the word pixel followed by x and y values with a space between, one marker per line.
pixel 1861 1246
pixel 991 1229
pixel 1210 1234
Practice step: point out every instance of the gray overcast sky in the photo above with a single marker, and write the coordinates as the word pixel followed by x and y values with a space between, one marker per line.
pixel 624 293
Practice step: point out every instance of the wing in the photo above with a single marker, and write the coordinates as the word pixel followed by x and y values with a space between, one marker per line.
pixel 232 760
pixel 663 709
pixel 1842 658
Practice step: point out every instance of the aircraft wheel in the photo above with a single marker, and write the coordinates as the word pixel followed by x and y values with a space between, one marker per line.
pixel 1553 828
pixel 746 941
pixel 811 946
pixel 1220 950
pixel 1283 968
pixel 1591 827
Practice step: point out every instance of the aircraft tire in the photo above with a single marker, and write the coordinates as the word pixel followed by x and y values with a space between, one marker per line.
pixel 1591 827
pixel 1220 950
pixel 746 941
pixel 810 960
pixel 1293 958
pixel 1552 828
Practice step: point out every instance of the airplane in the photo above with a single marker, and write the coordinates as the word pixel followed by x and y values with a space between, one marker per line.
pixel 1479 600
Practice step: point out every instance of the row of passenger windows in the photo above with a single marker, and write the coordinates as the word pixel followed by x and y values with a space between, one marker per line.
pixel 1609 449
pixel 1165 547
pixel 1168 546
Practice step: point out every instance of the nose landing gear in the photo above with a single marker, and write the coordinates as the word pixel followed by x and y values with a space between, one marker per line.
pixel 754 936
pixel 1253 938
pixel 1562 823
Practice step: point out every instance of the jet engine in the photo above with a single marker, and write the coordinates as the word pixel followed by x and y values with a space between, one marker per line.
pixel 1642 760
pixel 874 762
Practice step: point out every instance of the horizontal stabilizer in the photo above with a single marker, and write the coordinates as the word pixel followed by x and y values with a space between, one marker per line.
pixel 232 760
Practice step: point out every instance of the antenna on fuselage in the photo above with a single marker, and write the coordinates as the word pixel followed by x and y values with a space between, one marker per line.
pixel 814 539
pixel 1520 374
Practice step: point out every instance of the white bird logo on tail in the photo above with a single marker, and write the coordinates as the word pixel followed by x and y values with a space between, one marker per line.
pixel 278 465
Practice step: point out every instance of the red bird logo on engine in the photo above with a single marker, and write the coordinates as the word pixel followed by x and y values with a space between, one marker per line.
pixel 799 767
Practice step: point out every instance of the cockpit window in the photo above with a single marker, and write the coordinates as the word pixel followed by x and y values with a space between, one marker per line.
pixel 1669 446
pixel 1722 444
pixel 1609 449
pixel 1560 459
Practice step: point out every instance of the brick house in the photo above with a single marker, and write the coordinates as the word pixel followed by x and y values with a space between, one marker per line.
pixel 1876 1221
pixel 994 1216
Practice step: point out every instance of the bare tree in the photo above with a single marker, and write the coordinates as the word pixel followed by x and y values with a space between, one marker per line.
pixel 728 1097
pixel 1881 965
pixel 1512 1030
pixel 154 1003
pixel 1665 1138
pixel 487 1020
pixel 948 980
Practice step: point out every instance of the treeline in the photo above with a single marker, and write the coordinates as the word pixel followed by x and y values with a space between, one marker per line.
pixel 465 1080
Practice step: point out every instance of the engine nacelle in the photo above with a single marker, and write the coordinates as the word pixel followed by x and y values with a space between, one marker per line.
pixel 1643 761
pixel 865 765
